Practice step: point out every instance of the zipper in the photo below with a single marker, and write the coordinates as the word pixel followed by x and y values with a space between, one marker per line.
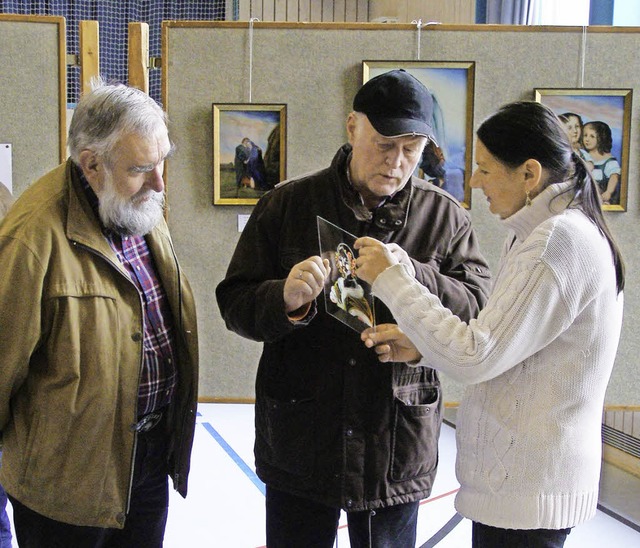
pixel 135 411
pixel 184 419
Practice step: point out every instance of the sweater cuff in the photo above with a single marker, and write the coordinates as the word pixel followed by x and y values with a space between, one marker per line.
pixel 390 280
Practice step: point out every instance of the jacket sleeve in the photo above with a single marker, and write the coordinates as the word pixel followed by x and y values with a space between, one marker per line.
pixel 462 279
pixel 21 286
pixel 251 296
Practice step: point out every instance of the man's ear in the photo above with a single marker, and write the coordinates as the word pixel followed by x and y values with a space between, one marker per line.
pixel 92 168
pixel 351 126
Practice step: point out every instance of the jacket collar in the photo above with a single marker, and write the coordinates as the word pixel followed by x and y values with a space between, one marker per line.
pixel 85 228
pixel 83 224
pixel 386 218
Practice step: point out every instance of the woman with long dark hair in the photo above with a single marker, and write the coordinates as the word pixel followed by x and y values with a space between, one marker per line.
pixel 537 360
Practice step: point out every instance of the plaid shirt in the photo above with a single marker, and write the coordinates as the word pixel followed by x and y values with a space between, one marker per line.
pixel 159 376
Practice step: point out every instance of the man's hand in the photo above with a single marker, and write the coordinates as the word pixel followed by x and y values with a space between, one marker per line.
pixel 373 258
pixel 305 282
pixel 390 343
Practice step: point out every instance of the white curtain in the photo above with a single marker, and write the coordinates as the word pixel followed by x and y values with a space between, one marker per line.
pixel 509 12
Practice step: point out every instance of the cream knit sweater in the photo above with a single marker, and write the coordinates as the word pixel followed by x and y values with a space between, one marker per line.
pixel 536 363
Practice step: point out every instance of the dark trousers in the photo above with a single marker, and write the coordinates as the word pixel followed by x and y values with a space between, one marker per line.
pixel 485 536
pixel 144 525
pixel 295 521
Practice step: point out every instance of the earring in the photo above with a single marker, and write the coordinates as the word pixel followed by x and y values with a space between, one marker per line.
pixel 527 202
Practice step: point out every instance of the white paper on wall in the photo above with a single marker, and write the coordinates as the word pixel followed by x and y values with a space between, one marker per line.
pixel 6 177
pixel 242 221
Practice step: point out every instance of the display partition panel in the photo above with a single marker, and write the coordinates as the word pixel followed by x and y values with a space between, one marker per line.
pixel 209 62
pixel 33 87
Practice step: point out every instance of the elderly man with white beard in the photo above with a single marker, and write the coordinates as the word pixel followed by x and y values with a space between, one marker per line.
pixel 98 339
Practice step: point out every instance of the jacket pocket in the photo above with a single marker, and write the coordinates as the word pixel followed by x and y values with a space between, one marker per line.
pixel 416 428
pixel 33 433
pixel 285 428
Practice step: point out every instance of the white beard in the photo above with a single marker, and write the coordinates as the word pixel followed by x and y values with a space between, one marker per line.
pixel 130 216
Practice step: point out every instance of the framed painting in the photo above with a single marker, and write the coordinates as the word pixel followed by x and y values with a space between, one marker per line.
pixel 451 83
pixel 598 124
pixel 249 151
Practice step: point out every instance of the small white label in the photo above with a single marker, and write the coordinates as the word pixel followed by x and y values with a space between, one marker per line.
pixel 6 172
pixel 242 221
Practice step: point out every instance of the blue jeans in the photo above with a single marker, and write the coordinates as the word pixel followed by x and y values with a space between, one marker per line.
pixel 485 536
pixel 296 521
pixel 5 525
pixel 144 525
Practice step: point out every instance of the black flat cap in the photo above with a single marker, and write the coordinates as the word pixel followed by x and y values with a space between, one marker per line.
pixel 396 104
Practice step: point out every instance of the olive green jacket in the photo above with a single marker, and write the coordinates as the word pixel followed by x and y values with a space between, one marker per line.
pixel 71 349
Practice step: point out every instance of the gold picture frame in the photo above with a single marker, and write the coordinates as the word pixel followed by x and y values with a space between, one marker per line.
pixel 602 115
pixel 452 85
pixel 249 151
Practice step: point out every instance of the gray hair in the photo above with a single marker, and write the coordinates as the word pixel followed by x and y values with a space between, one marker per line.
pixel 107 113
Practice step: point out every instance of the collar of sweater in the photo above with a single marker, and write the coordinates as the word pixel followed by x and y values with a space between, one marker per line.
pixel 552 201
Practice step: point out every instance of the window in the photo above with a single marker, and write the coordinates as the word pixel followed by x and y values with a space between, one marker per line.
pixel 552 12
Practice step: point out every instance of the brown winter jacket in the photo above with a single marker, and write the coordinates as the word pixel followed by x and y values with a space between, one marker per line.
pixel 332 423
pixel 71 353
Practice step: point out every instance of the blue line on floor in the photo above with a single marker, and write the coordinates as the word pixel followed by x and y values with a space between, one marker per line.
pixel 444 531
pixel 235 457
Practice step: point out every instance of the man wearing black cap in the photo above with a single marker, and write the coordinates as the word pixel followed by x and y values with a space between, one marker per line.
pixel 335 429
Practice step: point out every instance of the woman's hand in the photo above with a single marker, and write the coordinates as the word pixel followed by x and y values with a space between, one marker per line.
pixel 373 258
pixel 403 257
pixel 390 343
